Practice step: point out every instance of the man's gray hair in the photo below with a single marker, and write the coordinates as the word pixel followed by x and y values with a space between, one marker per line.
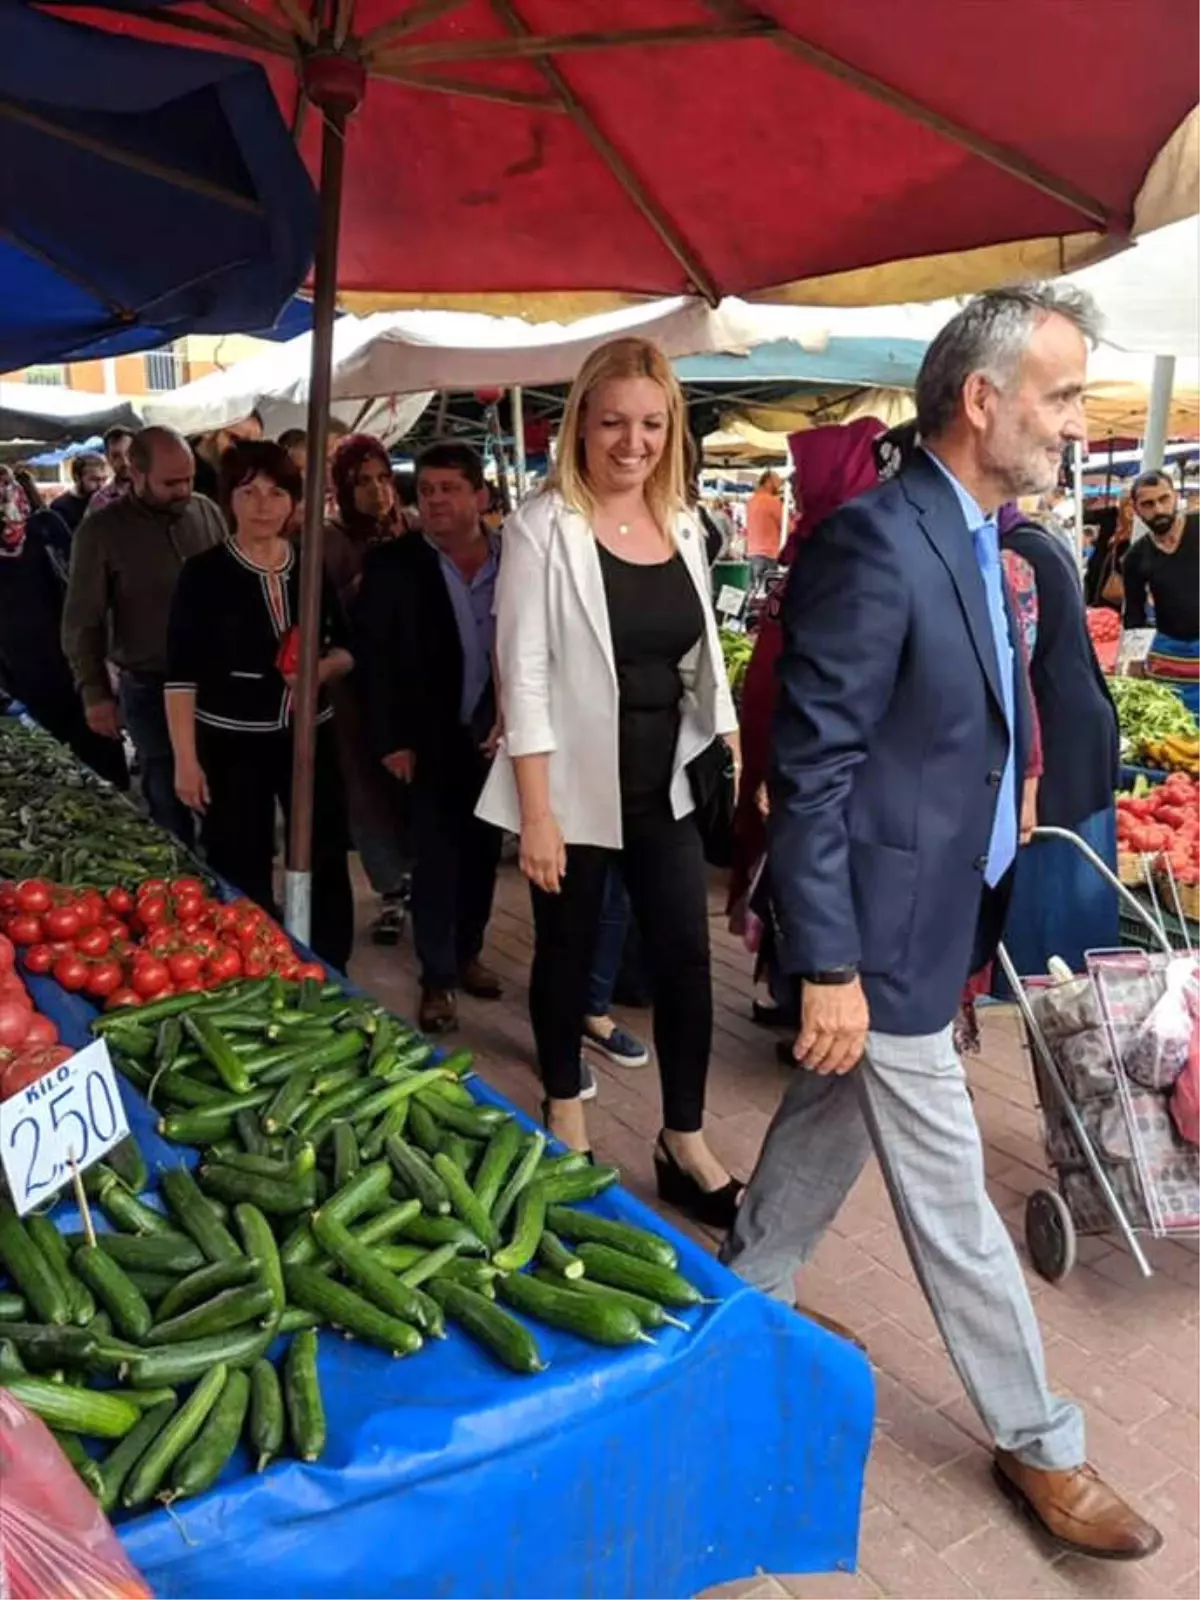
pixel 990 335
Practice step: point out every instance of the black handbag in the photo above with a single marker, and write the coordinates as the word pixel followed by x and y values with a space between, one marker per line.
pixel 711 775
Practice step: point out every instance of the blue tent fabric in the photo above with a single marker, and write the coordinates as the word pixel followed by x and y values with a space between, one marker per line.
pixel 147 191
pixel 873 363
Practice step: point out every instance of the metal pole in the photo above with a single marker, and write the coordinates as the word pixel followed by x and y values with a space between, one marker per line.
pixel 516 402
pixel 1077 483
pixel 298 892
pixel 1159 415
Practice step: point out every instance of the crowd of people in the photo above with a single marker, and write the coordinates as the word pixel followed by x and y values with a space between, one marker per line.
pixel 923 690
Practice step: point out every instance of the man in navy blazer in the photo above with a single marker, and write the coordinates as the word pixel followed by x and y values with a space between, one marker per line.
pixel 896 815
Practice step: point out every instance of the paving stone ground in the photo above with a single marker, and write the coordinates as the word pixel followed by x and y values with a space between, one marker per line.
pixel 933 1526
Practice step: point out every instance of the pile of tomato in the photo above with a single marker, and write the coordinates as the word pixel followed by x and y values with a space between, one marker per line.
pixel 1164 822
pixel 121 948
pixel 29 1043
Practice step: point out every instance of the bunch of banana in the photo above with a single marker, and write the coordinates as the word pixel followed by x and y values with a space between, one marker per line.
pixel 1175 753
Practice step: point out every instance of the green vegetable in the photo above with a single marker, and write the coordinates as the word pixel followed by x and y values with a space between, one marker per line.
pixel 230 1309
pixel 554 1255
pixel 260 1243
pixel 111 1284
pixel 602 1321
pixel 34 1276
pixel 527 1231
pixel 580 1226
pixel 217 1050
pixel 336 1304
pixel 202 1463
pixel 669 1288
pixel 302 1391
pixel 503 1336
pixel 265 1425
pixel 174 1438
pixel 207 1281
pixel 173 1252
pixel 172 1364
pixel 196 1216
pixel 381 1287
pixel 123 1457
pixel 464 1202
pixel 522 1176
pixel 418 1177
pixel 76 1410
pixel 57 1252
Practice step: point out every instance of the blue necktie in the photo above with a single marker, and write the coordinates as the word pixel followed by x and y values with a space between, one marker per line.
pixel 1002 848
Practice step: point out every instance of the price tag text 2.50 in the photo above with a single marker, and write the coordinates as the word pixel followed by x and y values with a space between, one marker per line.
pixel 73 1114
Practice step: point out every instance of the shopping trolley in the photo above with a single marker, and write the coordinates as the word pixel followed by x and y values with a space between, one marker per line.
pixel 1105 1046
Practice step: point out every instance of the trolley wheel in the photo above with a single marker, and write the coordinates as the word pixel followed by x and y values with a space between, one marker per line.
pixel 1050 1234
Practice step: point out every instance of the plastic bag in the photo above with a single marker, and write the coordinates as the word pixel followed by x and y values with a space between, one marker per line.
pixel 1185 1098
pixel 1158 1051
pixel 54 1538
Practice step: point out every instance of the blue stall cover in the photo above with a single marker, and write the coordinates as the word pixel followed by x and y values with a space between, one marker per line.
pixel 736 1445
pixel 147 191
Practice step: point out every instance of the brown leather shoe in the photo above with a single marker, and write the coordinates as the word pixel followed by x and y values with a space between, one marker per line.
pixel 831 1325
pixel 480 981
pixel 439 1011
pixel 1078 1510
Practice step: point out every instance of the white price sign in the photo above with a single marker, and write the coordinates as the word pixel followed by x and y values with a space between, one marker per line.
pixel 730 600
pixel 74 1114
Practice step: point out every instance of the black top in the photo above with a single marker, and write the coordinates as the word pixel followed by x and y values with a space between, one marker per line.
pixel 1173 581
pixel 32 665
pixel 1080 739
pixel 228 618
pixel 655 618
pixel 410 660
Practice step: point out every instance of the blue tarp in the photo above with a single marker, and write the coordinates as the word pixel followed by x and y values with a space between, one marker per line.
pixel 737 1445
pixel 104 248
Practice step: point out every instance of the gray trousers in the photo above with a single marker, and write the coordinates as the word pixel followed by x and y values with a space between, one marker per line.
pixel 908 1097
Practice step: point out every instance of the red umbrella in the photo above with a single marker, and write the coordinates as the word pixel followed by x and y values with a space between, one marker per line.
pixel 542 156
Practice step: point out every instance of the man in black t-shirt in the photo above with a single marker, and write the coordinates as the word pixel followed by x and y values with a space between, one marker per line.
pixel 1166 564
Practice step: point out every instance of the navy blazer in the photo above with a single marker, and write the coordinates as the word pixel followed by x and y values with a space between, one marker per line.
pixel 890 743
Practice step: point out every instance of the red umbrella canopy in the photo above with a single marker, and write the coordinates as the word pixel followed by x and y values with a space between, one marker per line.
pixel 546 156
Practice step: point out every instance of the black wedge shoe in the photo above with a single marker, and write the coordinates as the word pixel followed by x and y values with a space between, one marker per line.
pixel 713 1208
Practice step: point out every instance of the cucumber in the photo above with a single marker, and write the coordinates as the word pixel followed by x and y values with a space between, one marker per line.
pixel 366 1192
pixel 464 1202
pixel 528 1227
pixel 556 1258
pixel 331 1079
pixel 249 1131
pixel 52 1345
pixel 391 1094
pixel 428 1267
pixel 57 1252
pixel 345 1154
pixel 345 1309
pixel 381 1287
pixel 295 1318
pixel 196 1216
pixel 322 1114
pixel 601 1321
pixel 503 1336
pixel 522 1176
pixel 170 1364
pixel 288 1099
pixel 129 1164
pixel 432 1231
pixel 12 1307
pixel 152 1011
pixel 216 1049
pixel 455 1092
pixel 585 1227
pixel 648 1312
pixel 403 1061
pixel 418 1177
pixel 265 1166
pixel 183 1090
pixel 479 1123
pixel 393 1121
pixel 384 1037
pixel 75 1410
pixel 201 1285
pixel 279 1197
pixel 424 1131
pixel 208 1123
pixel 123 1209
pixel 152 1284
pixel 202 1463
pixel 11 1364
pixel 461 1151
pixel 33 1275
pixel 458 1063
pixel 563 1187
pixel 502 1150
pixel 173 1252
pixel 265 1424
pixel 144 1399
pixel 302 1390
pixel 111 1284
pixel 259 1242
pixel 87 1467
pixel 385 1223
pixel 170 1443
pixel 229 1309
pixel 168 1044
pixel 123 1457
pixel 400 1258
pixel 478 1275
pixel 663 1284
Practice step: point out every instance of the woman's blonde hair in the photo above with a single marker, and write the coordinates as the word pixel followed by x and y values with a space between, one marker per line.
pixel 666 488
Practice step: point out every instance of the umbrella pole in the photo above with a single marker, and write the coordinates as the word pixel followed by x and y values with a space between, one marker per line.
pixel 298 882
pixel 1159 414
pixel 517 403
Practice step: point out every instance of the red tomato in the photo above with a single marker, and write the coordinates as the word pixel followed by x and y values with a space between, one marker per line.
pixel 94 942
pixel 190 986
pixel 41 1030
pixel 149 977
pixel 187 905
pixel 161 939
pixel 311 969
pixel 224 963
pixel 8 955
pixel 14 1023
pixel 8 896
pixel 119 900
pixel 11 988
pixel 25 928
pixel 34 894
pixel 27 1066
pixel 62 923
pixel 71 972
pixel 187 886
pixel 120 998
pixel 152 910
pixel 255 967
pixel 152 886
pixel 105 979
pixel 39 958
pixel 205 942
pixel 90 908
pixel 184 965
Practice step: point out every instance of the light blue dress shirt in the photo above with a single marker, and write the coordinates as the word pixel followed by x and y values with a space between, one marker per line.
pixel 472 600
pixel 985 538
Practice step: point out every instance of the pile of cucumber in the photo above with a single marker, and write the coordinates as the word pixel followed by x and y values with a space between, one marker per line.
pixel 347 1180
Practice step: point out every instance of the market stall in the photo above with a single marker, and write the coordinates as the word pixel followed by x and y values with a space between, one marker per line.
pixel 731 1438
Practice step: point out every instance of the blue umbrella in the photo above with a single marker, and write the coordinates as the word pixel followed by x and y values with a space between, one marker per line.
pixel 146 191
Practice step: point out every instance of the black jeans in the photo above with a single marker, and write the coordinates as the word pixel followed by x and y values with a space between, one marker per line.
pixel 663 865
pixel 454 877
pixel 247 773
pixel 145 716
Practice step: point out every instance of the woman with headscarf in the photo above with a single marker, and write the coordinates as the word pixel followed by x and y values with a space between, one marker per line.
pixel 366 515
pixel 831 466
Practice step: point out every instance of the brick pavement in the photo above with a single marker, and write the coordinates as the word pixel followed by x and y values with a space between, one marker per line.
pixel 933 1526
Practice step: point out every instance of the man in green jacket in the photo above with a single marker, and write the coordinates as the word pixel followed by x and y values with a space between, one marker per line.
pixel 125 560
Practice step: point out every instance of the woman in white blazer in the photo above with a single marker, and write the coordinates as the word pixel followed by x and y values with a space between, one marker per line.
pixel 611 682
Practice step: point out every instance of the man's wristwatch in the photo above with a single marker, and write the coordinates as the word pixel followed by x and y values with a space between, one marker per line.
pixel 833 976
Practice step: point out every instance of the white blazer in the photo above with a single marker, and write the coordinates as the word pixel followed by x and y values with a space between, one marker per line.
pixel 558 676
